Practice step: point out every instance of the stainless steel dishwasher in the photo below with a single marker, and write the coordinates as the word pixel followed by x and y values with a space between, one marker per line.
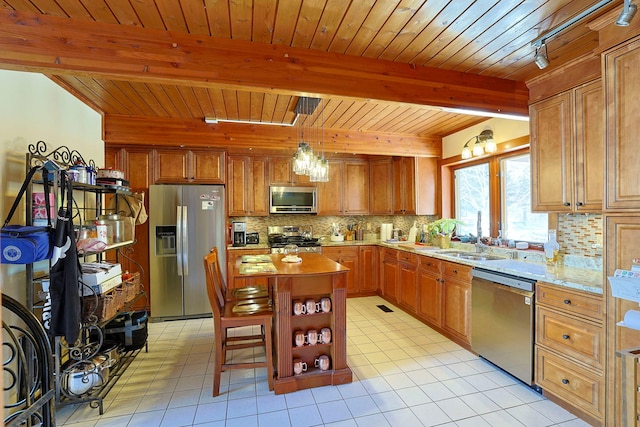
pixel 502 321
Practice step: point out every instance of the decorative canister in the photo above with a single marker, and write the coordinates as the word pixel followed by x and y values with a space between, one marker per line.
pixel 104 230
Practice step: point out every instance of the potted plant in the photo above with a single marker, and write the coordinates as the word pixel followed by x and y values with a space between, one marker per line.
pixel 440 231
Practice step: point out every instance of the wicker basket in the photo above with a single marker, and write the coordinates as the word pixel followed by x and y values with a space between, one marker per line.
pixel 103 307
pixel 132 287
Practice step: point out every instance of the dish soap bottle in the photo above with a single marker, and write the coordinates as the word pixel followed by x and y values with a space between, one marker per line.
pixel 551 248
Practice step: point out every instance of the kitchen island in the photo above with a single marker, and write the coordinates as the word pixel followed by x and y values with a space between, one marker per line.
pixel 314 280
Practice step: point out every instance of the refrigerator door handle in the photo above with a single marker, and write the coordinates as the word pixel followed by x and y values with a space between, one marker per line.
pixel 185 242
pixel 179 239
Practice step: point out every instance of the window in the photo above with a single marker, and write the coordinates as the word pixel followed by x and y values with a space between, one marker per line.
pixel 471 197
pixel 503 201
pixel 518 222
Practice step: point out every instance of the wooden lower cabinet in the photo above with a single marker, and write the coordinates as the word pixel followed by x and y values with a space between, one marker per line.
pixel 368 265
pixel 430 291
pixel 389 270
pixel 456 280
pixel 407 280
pixel 438 292
pixel 570 350
pixel 457 309
pixel 347 256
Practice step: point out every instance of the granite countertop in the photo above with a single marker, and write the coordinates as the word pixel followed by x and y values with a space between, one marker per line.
pixel 576 273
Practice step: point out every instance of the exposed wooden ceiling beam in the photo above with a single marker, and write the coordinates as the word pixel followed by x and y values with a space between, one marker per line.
pixel 56 45
pixel 122 130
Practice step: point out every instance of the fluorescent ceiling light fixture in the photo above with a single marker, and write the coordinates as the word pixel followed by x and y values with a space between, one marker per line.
pixel 628 12
pixel 213 121
pixel 497 115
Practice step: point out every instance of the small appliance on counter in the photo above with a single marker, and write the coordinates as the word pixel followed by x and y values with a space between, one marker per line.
pixel 253 238
pixel 239 229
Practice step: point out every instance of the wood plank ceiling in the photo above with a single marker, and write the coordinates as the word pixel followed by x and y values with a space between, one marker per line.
pixel 485 37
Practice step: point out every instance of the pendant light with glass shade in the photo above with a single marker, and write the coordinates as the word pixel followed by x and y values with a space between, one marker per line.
pixel 310 133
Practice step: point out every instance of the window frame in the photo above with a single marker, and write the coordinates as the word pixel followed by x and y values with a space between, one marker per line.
pixel 495 184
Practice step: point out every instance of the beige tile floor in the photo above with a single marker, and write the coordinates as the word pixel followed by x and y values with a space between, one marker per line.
pixel 405 374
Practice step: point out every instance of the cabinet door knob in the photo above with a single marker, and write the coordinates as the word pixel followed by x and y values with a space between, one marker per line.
pixel 455 271
pixel 565 381
pixel 567 204
pixel 580 204
pixel 567 301
pixel 565 337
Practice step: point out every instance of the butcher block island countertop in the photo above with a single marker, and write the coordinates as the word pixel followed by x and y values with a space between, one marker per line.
pixel 314 278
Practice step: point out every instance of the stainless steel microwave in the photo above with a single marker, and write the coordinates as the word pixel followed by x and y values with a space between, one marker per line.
pixel 293 200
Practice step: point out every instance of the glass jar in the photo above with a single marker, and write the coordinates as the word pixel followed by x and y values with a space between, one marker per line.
pixel 291 250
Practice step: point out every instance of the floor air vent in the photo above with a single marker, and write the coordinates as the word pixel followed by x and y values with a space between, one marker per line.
pixel 385 308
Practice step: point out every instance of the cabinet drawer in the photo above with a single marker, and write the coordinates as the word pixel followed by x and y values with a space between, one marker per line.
pixel 337 251
pixel 579 303
pixel 408 257
pixel 452 270
pixel 570 382
pixel 570 336
pixel 430 264
pixel 391 254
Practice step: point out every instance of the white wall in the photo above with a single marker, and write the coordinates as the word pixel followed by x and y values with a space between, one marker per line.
pixel 33 108
pixel 503 130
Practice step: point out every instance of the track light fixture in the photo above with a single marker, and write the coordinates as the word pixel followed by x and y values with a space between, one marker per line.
pixel 628 12
pixel 542 59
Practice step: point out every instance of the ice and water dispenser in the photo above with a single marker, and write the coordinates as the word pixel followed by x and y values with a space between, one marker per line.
pixel 166 240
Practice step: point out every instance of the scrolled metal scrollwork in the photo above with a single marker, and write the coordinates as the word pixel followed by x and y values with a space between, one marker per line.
pixel 62 155
pixel 29 393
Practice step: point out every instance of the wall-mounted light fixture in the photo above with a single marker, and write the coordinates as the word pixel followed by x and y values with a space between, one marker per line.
pixel 628 12
pixel 484 143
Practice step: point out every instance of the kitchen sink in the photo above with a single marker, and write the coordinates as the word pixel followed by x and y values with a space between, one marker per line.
pixel 472 256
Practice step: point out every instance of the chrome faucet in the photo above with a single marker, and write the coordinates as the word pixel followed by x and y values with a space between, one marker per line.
pixel 480 247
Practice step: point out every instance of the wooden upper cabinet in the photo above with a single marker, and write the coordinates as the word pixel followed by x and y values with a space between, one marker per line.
pixel 589 147
pixel 347 192
pixel 207 167
pixel 187 166
pixel 622 85
pixel 551 133
pixel 404 187
pixel 381 192
pixel 330 193
pixel 426 174
pixel 281 172
pixel 247 192
pixel 356 188
pixel 567 142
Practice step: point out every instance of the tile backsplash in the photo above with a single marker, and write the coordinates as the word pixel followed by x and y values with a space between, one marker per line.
pixel 579 235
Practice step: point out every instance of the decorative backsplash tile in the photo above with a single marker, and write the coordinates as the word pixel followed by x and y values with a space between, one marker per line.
pixel 579 235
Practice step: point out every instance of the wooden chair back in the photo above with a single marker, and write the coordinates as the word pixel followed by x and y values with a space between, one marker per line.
pixel 214 287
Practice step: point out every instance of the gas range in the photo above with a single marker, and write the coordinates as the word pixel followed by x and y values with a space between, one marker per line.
pixel 301 236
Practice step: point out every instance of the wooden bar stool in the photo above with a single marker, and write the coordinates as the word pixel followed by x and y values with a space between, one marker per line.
pixel 235 314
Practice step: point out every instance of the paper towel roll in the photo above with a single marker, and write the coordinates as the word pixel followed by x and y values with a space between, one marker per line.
pixel 386 231
pixel 632 319
pixel 390 231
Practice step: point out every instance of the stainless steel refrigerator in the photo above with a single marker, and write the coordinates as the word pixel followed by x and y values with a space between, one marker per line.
pixel 186 222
